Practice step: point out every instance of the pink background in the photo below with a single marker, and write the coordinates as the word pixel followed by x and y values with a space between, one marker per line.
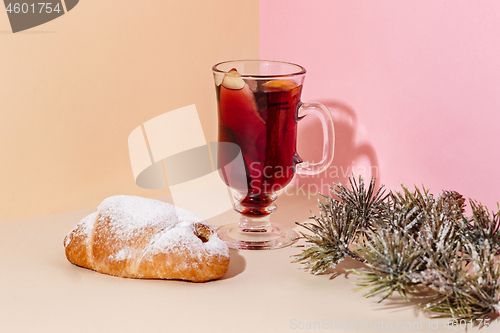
pixel 414 87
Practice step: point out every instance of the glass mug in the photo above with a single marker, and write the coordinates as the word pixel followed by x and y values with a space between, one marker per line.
pixel 258 109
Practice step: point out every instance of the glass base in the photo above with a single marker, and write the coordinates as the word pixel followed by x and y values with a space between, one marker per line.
pixel 257 234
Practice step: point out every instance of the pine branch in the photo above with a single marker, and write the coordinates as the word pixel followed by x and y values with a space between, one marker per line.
pixel 339 224
pixel 391 256
pixel 411 242
pixel 482 228
pixel 472 293
pixel 364 204
pixel 332 233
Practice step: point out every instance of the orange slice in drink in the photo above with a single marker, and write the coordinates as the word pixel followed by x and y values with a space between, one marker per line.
pixel 279 85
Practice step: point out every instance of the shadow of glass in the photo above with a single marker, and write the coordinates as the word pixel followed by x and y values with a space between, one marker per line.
pixel 352 156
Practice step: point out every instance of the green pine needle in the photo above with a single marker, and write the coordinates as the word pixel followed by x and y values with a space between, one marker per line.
pixel 412 244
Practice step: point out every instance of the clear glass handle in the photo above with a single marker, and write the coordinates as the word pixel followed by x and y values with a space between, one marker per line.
pixel 324 115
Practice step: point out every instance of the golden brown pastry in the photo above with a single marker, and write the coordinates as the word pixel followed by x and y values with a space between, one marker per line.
pixel 136 237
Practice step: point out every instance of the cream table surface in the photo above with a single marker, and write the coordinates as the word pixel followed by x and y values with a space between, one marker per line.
pixel 40 291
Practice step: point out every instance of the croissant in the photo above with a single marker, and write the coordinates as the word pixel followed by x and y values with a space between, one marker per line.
pixel 135 237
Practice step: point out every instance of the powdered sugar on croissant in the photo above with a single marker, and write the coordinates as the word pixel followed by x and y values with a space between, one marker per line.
pixel 136 237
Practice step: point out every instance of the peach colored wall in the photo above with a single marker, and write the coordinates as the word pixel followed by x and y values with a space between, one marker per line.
pixel 414 86
pixel 73 89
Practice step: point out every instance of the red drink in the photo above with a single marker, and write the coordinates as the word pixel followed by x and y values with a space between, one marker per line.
pixel 260 117
pixel 258 114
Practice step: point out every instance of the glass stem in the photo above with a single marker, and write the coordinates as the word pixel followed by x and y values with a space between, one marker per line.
pixel 255 224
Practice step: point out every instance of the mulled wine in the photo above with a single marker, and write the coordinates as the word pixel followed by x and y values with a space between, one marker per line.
pixel 259 107
pixel 260 117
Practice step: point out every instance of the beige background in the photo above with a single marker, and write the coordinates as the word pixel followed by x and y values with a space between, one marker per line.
pixel 73 89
